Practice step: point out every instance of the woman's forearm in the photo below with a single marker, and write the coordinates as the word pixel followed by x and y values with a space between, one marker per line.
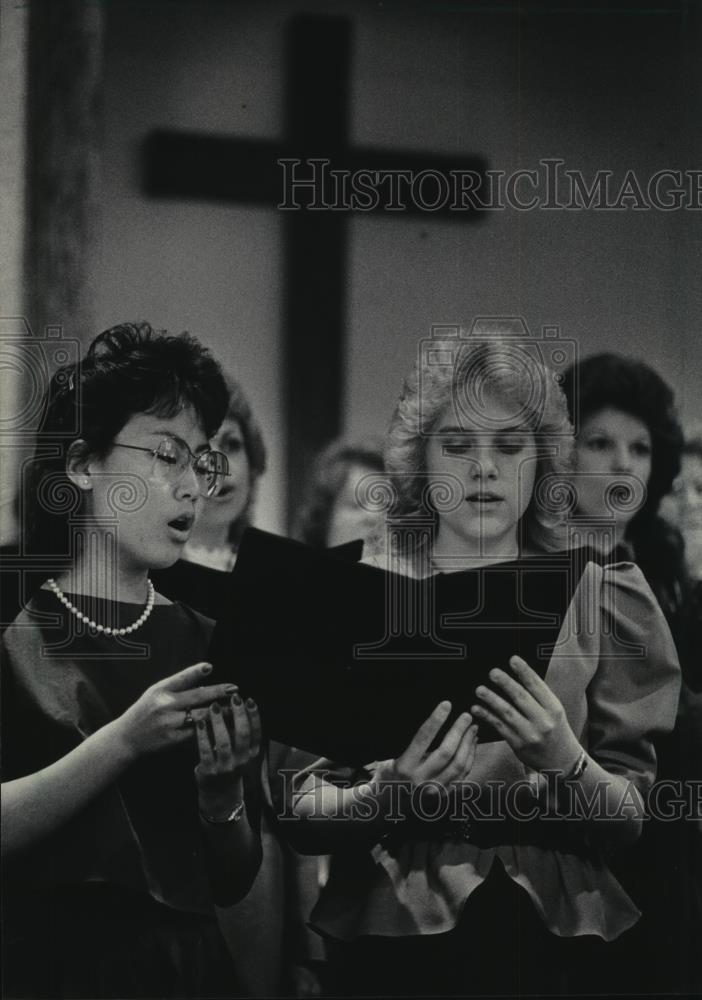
pixel 609 804
pixel 232 844
pixel 325 817
pixel 322 817
pixel 233 857
pixel 37 804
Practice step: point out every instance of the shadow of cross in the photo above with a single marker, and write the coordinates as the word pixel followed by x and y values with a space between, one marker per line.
pixel 279 174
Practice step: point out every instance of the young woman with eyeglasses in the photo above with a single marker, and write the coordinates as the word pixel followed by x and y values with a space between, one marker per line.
pixel 115 853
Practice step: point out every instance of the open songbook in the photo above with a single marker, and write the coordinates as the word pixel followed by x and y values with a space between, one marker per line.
pixel 347 660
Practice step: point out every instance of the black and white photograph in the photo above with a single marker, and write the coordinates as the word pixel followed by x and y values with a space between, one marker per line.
pixel 351 499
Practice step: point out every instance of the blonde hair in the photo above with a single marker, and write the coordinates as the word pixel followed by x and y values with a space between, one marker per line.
pixel 458 372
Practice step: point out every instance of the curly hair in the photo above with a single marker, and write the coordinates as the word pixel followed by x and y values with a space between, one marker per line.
pixel 328 478
pixel 458 373
pixel 630 385
pixel 127 369
pixel 627 384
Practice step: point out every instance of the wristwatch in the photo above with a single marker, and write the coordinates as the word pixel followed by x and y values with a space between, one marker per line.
pixel 578 768
pixel 233 817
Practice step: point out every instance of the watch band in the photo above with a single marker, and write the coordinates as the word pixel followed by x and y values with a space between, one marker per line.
pixel 233 817
pixel 578 768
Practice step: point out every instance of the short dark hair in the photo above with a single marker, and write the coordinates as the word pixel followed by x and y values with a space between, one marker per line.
pixel 128 369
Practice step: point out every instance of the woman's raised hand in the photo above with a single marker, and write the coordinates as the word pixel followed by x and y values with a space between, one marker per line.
pixel 162 717
pixel 226 749
pixel 446 765
pixel 529 716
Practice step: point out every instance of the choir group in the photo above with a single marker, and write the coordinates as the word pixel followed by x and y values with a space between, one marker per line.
pixel 544 837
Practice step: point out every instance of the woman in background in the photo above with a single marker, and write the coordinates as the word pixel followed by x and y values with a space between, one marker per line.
pixel 333 513
pixel 114 852
pixel 626 425
pixel 684 504
pixel 225 517
pixel 628 434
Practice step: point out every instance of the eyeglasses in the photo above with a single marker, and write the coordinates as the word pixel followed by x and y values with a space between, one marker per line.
pixel 172 458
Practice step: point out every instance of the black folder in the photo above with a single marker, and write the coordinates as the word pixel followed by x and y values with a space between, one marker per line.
pixel 346 660
pixel 207 590
pixel 200 587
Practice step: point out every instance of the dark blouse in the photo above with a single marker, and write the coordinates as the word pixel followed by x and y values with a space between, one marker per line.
pixel 61 683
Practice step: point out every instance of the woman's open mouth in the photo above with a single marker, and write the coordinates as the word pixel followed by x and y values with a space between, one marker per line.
pixel 181 526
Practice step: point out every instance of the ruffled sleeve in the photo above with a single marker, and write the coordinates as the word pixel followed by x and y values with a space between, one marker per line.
pixel 615 670
pixel 633 696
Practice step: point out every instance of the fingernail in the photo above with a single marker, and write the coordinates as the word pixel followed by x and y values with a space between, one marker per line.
pixel 250 703
pixel 201 724
pixel 206 667
pixel 480 691
pixel 215 708
pixel 231 688
pixel 237 699
pixel 494 675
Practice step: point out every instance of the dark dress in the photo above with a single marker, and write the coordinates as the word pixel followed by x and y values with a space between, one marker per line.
pixel 116 903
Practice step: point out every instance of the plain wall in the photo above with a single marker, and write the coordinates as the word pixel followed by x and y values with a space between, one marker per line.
pixel 599 90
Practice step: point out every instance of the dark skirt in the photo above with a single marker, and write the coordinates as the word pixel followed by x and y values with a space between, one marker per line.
pixel 500 947
pixel 98 941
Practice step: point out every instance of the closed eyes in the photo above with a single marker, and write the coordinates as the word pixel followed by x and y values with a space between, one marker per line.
pixel 506 444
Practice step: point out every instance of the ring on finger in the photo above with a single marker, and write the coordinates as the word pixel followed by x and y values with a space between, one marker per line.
pixel 188 720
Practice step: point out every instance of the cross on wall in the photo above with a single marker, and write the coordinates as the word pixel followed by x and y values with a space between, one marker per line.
pixel 247 171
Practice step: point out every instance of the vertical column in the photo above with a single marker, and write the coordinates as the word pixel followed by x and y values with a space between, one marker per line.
pixel 64 114
pixel 13 81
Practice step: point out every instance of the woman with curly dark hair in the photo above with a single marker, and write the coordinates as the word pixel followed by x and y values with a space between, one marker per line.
pixel 125 820
pixel 626 425
pixel 629 447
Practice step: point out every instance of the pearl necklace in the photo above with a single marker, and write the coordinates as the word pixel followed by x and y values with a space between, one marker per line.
pixel 107 629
